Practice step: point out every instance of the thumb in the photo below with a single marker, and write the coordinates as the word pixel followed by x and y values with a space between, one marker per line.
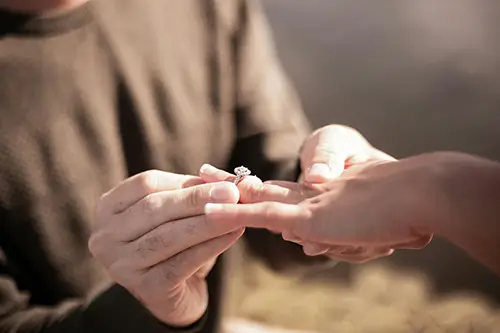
pixel 323 170
pixel 325 153
pixel 322 159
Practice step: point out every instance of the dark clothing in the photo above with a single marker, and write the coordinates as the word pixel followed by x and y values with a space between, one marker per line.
pixel 115 87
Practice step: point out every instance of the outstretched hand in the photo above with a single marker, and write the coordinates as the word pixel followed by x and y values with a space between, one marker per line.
pixel 372 208
pixel 353 202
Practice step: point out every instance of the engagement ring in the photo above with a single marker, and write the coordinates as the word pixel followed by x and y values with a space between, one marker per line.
pixel 241 172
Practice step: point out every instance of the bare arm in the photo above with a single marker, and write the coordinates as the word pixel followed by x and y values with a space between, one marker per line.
pixel 387 205
pixel 471 186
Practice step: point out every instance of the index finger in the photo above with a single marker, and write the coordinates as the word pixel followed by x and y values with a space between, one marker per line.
pixel 265 215
pixel 211 174
pixel 135 188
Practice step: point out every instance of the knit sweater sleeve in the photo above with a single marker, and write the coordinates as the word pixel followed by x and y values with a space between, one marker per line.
pixel 113 310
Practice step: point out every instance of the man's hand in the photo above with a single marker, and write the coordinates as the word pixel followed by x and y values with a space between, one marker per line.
pixel 153 238
pixel 372 208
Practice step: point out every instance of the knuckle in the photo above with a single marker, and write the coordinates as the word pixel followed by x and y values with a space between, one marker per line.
pixel 195 197
pixel 151 204
pixel 93 245
pixel 103 248
pixel 151 243
pixel 148 181
pixel 191 229
pixel 98 243
pixel 254 192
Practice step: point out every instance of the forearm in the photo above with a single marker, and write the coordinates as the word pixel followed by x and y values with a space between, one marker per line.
pixel 470 217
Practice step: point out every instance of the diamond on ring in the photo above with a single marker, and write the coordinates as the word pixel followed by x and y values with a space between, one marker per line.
pixel 241 172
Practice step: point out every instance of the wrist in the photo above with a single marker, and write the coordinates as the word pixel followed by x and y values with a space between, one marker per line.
pixel 179 320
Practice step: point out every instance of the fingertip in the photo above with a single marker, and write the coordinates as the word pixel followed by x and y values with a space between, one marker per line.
pixel 225 192
pixel 210 174
pixel 207 169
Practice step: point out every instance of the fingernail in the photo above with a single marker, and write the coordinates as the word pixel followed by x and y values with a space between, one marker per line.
pixel 224 192
pixel 208 169
pixel 320 170
pixel 212 208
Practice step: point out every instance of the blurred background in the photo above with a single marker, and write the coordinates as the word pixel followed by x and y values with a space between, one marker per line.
pixel 413 76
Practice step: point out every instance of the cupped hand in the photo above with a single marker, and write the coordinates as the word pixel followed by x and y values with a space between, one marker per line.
pixel 153 238
pixel 325 155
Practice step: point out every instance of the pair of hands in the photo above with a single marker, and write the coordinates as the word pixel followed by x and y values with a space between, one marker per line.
pixel 354 202
pixel 158 234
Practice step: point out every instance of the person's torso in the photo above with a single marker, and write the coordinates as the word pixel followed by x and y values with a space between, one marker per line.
pixel 116 88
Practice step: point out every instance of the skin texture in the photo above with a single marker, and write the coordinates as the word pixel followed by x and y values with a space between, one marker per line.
pixel 379 204
pixel 152 236
pixel 324 156
pixel 313 215
pixel 158 234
